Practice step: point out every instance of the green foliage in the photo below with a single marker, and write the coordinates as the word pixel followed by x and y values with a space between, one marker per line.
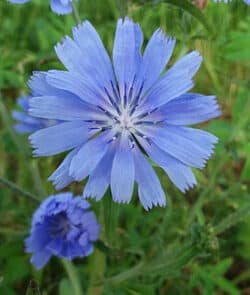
pixel 211 277
pixel 198 244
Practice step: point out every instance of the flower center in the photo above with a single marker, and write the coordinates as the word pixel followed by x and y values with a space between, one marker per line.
pixel 123 112
pixel 58 225
pixel 125 121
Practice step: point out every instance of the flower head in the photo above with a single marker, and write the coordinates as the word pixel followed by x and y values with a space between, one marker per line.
pixel 18 1
pixel 62 226
pixel 114 119
pixel 27 123
pixel 57 6
pixel 227 1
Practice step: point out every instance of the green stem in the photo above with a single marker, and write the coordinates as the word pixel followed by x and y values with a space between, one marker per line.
pixel 17 189
pixel 75 13
pixel 73 277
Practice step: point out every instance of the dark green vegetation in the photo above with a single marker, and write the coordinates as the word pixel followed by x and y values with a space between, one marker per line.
pixel 199 243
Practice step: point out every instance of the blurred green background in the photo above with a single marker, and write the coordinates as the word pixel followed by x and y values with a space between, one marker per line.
pixel 199 243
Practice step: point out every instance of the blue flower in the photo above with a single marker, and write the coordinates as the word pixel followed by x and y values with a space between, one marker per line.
pixel 27 123
pixel 62 226
pixel 227 1
pixel 18 1
pixel 57 6
pixel 116 119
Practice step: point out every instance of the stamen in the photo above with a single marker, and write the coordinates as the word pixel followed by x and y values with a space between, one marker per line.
pixel 136 100
pixel 131 89
pixel 146 122
pixel 140 134
pixel 112 139
pixel 131 142
pixel 115 92
pixel 143 115
pixel 125 95
pixel 114 104
pixel 108 113
pixel 96 121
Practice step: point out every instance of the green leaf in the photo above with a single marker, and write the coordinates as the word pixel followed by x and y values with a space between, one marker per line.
pixel 223 266
pixel 227 286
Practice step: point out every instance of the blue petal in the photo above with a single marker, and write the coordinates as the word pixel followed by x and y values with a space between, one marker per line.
pixel 23 102
pixel 39 86
pixel 180 174
pixel 88 250
pixel 84 239
pixel 156 56
pixel 59 7
pixel 94 231
pixel 39 259
pixel 25 128
pixel 24 118
pixel 88 220
pixel 86 55
pixel 91 46
pixel 59 138
pixel 175 82
pixel 127 52
pixel 188 65
pixel 74 231
pixel 150 190
pixel 123 172
pixel 100 177
pixel 190 146
pixel 71 250
pixel 88 157
pixel 165 90
pixel 80 203
pixel 85 88
pixel 36 244
pixel 61 178
pixel 190 108
pixel 70 55
pixel 55 246
pixel 63 108
pixel 38 239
